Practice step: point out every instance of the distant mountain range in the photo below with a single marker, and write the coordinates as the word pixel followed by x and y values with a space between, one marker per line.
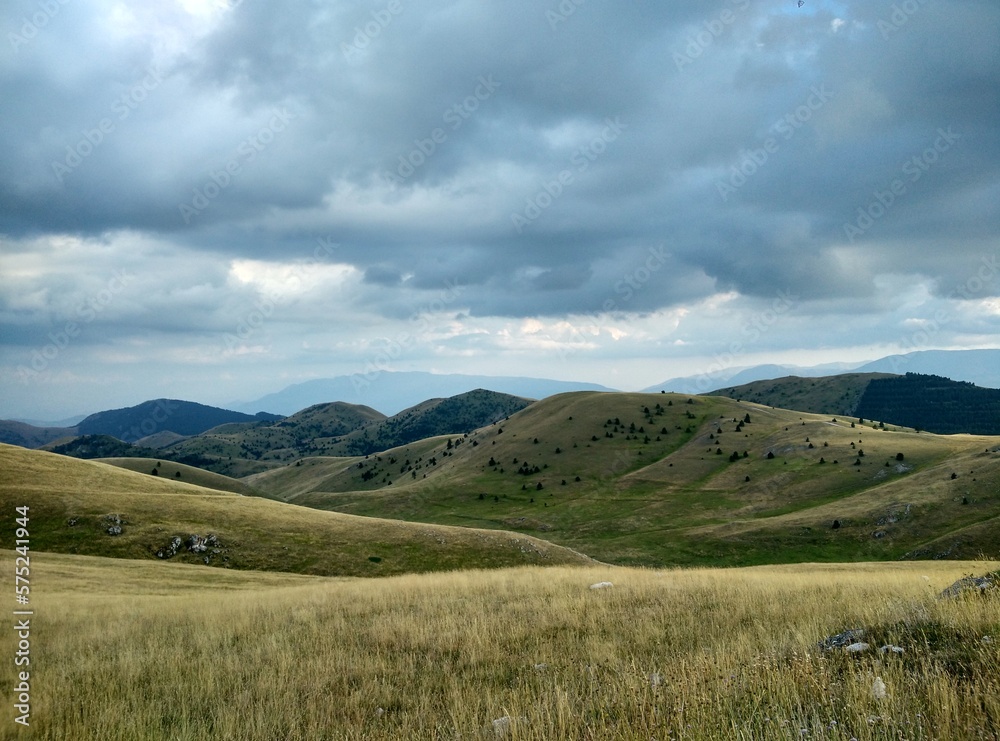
pixel 163 422
pixel 131 424
pixel 981 367
pixel 392 392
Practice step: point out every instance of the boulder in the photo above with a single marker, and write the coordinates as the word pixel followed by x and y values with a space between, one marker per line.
pixel 972 584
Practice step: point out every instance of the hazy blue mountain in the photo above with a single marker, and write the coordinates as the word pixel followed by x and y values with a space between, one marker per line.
pixel 706 382
pixel 392 392
pixel 981 367
pixel 68 422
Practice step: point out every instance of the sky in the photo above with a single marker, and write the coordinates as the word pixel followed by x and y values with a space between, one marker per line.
pixel 212 200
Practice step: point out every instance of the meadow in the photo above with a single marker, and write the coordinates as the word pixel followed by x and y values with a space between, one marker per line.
pixel 126 649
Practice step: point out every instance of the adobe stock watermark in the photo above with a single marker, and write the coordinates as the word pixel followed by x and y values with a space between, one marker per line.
pixel 973 286
pixel 33 24
pixel 913 169
pixel 246 152
pixel 90 139
pixel 625 289
pixel 58 340
pixel 396 347
pixel 562 12
pixel 752 330
pixel 900 16
pixel 265 306
pixel 454 117
pixel 751 161
pixel 370 30
pixel 551 190
pixel 713 29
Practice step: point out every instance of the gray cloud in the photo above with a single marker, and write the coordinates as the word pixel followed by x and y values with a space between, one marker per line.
pixel 531 155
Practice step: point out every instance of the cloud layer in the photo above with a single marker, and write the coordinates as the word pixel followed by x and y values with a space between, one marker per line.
pixel 223 198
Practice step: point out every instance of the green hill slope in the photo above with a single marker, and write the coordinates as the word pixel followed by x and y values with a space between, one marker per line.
pixel 91 508
pixel 838 394
pixel 171 470
pixel 663 479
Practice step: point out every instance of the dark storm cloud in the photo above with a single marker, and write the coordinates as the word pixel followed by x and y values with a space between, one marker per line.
pixel 538 154
pixel 366 88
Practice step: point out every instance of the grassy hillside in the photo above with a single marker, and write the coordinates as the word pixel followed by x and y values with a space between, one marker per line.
pixel 131 650
pixel 330 420
pixel 179 472
pixel 161 439
pixel 76 506
pixel 663 479
pixel 838 394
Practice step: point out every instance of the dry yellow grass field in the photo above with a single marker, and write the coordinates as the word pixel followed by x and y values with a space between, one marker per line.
pixel 146 650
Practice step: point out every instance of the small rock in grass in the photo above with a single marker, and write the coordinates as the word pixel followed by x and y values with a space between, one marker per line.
pixel 601 585
pixel 878 689
pixel 502 726
pixel 856 648
pixel 840 640
pixel 891 649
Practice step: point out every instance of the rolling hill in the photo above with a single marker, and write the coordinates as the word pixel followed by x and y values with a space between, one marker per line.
pixel 838 394
pixel 91 508
pixel 666 479
pixel 171 470
pixel 89 447
pixel 337 429
pixel 182 417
